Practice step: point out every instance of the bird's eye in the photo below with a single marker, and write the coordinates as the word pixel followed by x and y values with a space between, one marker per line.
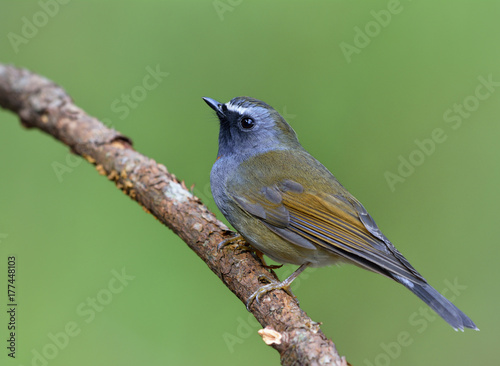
pixel 247 123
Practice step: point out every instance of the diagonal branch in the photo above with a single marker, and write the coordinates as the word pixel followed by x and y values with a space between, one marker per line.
pixel 42 104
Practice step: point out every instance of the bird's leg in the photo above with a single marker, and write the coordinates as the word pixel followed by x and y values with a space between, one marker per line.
pixel 260 255
pixel 231 240
pixel 283 285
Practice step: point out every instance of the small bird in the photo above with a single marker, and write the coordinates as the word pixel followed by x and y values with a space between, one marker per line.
pixel 287 205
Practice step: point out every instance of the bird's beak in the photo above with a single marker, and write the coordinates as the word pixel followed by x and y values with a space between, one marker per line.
pixel 215 105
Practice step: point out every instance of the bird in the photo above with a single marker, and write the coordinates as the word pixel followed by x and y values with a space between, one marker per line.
pixel 289 206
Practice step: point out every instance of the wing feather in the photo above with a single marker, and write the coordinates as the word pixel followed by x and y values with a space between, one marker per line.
pixel 326 216
pixel 343 236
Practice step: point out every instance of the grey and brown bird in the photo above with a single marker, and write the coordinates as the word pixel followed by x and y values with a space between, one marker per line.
pixel 287 205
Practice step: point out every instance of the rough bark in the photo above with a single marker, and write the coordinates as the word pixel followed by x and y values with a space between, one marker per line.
pixel 42 104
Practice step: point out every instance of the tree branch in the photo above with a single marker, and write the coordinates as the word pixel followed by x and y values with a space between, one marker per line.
pixel 42 104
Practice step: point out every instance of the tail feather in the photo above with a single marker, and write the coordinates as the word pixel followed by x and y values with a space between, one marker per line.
pixel 437 302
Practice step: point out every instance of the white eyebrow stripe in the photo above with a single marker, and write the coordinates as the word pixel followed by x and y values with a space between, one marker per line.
pixel 238 109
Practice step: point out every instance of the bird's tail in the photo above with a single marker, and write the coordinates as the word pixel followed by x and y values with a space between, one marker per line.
pixel 437 302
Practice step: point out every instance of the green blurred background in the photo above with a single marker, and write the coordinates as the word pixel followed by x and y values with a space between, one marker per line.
pixel 358 110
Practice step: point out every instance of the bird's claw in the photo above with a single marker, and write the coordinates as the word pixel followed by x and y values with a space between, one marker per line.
pixel 267 288
pixel 259 254
pixel 255 296
pixel 283 285
pixel 231 240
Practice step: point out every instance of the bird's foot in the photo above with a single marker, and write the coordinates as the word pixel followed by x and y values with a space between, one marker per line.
pixel 283 285
pixel 235 238
pixel 260 255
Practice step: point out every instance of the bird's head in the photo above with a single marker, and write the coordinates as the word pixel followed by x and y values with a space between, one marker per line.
pixel 248 126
